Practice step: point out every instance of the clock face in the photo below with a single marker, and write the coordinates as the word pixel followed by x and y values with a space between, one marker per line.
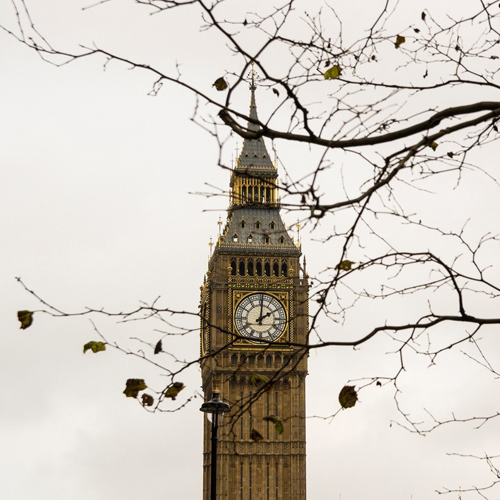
pixel 260 316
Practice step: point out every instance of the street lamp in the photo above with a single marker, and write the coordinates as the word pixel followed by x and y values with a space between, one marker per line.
pixel 216 407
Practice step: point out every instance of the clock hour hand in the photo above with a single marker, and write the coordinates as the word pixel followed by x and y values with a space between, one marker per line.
pixel 259 320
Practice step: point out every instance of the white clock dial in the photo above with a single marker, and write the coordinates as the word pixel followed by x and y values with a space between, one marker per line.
pixel 260 316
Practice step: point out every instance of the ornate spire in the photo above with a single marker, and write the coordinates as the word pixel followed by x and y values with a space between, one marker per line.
pixel 254 153
pixel 253 105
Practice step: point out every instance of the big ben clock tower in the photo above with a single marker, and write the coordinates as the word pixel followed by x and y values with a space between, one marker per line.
pixel 254 326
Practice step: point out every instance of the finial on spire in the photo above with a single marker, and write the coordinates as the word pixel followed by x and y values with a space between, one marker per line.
pixel 298 226
pixel 211 244
pixel 252 76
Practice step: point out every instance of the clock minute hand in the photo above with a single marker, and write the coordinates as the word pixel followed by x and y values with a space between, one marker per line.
pixel 260 318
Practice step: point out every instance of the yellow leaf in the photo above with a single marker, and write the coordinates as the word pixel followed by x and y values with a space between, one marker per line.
pixel 94 346
pixel 399 41
pixel 433 145
pixel 332 73
pixel 257 379
pixel 345 265
pixel 348 396
pixel 256 436
pixel 133 386
pixel 26 318
pixel 278 424
pixel 174 390
pixel 220 84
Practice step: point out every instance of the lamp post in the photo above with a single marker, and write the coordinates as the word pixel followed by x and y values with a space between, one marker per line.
pixel 216 407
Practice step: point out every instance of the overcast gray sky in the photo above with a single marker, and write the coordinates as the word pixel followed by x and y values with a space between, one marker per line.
pixel 96 210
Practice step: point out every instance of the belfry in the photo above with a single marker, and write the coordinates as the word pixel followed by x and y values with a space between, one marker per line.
pixel 254 329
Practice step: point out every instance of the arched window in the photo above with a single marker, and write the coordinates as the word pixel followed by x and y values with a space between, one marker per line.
pixel 262 194
pixel 235 238
pixel 233 267
pixel 244 193
pixel 278 359
pixel 276 268
pixel 257 225
pixel 242 224
pixel 259 268
pixel 250 238
pixel 266 239
pixel 269 360
pixel 268 195
pixel 272 226
pixel 250 193
pixel 234 359
pixel 242 267
pixel 267 268
pixel 284 269
pixel 251 359
pixel 282 240
pixel 250 268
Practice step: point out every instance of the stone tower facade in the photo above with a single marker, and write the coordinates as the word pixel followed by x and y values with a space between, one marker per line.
pixel 254 326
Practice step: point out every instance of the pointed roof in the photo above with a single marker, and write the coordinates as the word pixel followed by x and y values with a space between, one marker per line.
pixel 262 233
pixel 254 158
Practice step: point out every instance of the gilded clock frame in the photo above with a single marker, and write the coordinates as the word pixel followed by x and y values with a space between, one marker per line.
pixel 236 295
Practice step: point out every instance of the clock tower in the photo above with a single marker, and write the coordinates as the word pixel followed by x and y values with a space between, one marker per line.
pixel 254 329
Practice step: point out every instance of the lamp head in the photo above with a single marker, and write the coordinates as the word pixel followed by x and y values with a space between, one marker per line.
pixel 215 405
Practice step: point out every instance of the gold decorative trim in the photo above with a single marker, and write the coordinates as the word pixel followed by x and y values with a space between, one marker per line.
pixel 236 295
